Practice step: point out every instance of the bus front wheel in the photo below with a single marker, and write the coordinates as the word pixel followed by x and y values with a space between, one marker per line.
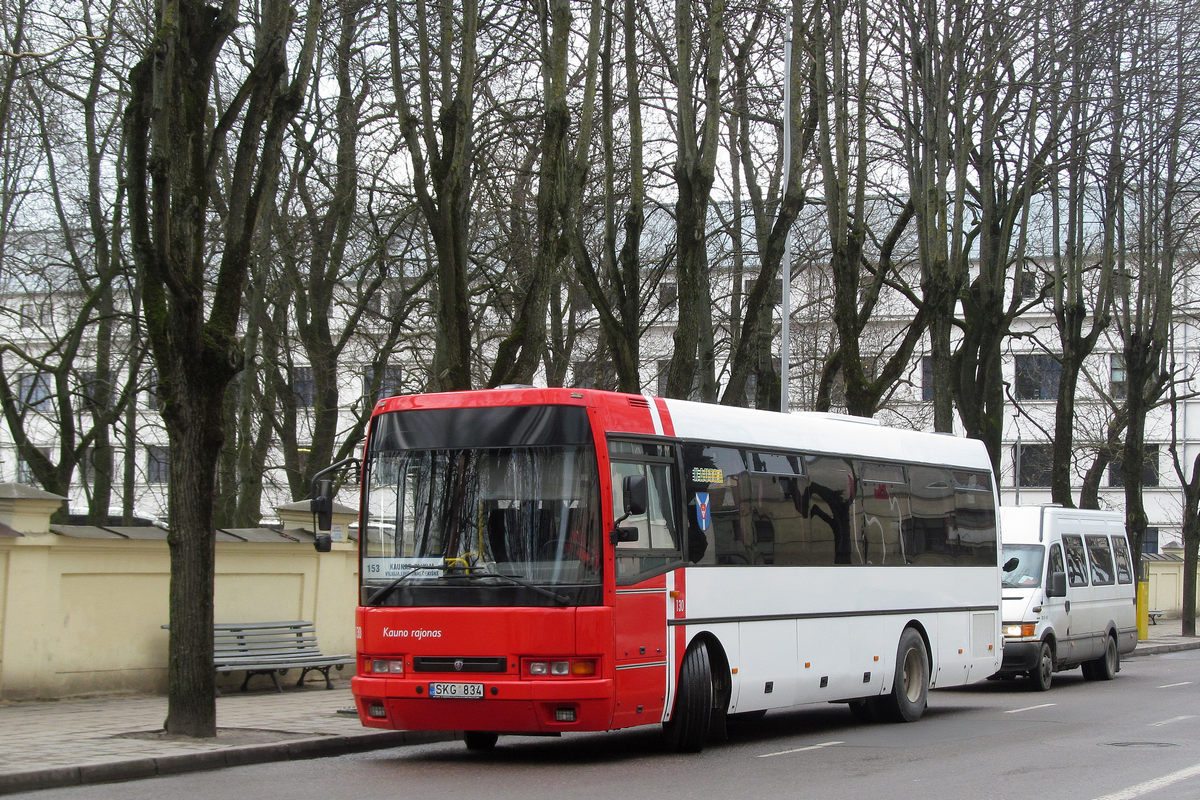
pixel 910 685
pixel 687 729
pixel 480 740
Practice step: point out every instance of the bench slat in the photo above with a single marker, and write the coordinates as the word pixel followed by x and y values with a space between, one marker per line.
pixel 265 648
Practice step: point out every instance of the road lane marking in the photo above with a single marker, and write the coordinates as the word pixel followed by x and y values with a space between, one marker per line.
pixel 1172 719
pixel 800 749
pixel 1029 708
pixel 1173 685
pixel 1153 784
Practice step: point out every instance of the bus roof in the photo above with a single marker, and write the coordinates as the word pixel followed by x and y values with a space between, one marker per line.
pixel 770 430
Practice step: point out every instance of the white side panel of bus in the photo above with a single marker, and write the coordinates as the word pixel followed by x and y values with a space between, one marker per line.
pixel 767 664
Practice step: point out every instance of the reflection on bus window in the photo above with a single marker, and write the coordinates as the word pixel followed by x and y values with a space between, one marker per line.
pixel 657 543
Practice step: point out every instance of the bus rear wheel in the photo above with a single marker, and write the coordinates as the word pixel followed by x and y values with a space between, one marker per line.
pixel 910 685
pixel 691 715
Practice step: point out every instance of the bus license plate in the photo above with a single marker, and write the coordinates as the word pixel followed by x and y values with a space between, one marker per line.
pixel 469 691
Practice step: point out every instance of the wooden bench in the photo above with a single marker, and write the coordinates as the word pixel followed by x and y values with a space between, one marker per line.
pixel 272 648
pixel 1154 615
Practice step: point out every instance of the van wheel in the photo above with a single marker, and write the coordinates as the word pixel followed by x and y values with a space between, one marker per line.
pixel 687 729
pixel 1042 674
pixel 910 684
pixel 480 740
pixel 1107 666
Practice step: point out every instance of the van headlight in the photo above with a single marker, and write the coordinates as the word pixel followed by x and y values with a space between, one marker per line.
pixel 1020 630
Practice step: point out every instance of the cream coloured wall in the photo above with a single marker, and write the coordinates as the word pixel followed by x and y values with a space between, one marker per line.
pixel 82 615
pixel 1166 585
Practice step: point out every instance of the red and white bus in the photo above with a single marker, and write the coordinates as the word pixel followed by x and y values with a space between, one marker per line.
pixel 542 561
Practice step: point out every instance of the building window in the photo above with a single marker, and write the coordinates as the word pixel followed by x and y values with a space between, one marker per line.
pixel 752 383
pixel 1033 464
pixel 1150 541
pixel 390 382
pixel 1116 375
pixel 1149 469
pixel 34 389
pixel 1037 376
pixel 157 464
pixel 25 472
pixel 152 390
pixel 304 387
pixel 664 368
pixel 592 374
pixel 1029 285
pixel 777 293
pixel 96 393
pixel 927 379
pixel 668 293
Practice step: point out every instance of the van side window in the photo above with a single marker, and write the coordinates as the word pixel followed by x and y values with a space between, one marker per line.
pixel 1102 562
pixel 1124 567
pixel 1076 561
pixel 1056 560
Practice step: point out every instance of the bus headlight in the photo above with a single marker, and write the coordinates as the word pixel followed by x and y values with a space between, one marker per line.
pixel 559 668
pixel 387 666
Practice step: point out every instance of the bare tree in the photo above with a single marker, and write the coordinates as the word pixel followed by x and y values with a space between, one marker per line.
pixel 192 293
pixel 842 42
pixel 751 346
pixel 697 132
pixel 440 137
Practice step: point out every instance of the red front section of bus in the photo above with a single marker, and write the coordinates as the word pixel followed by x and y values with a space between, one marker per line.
pixel 494 652
pixel 482 660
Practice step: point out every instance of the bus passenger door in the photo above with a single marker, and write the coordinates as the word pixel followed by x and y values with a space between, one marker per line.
pixel 644 578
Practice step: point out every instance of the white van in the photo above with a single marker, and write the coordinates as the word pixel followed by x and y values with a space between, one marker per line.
pixel 1068 591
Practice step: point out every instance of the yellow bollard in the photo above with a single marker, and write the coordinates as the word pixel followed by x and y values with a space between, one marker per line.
pixel 1143 609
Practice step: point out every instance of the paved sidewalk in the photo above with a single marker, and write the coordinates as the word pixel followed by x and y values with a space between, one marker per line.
pixel 93 740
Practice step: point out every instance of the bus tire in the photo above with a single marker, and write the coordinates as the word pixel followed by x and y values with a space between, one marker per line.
pixel 1042 673
pixel 1106 667
pixel 865 709
pixel 910 685
pixel 480 740
pixel 691 715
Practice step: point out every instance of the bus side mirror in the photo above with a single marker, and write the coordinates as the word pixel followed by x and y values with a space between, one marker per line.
pixel 620 535
pixel 322 511
pixel 635 495
pixel 323 542
pixel 1057 586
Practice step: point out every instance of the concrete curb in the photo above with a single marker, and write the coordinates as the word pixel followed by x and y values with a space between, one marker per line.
pixel 133 769
pixel 1172 647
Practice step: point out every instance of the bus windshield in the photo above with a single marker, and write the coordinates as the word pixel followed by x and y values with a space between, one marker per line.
pixel 481 525
pixel 1023 566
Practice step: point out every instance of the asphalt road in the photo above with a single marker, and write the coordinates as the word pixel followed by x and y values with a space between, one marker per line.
pixel 1135 737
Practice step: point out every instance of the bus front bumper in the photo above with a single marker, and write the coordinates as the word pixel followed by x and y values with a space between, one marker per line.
pixel 507 706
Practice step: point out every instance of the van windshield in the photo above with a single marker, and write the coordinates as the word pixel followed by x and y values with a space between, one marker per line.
pixel 1023 566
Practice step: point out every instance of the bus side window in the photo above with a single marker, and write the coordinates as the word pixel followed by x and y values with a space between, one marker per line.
pixel 657 545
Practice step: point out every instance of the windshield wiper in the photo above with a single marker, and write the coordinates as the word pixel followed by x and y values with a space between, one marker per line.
pixel 561 599
pixel 387 589
pixel 468 572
